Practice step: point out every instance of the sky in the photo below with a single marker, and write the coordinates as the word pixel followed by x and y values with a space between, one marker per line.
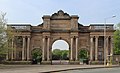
pixel 60 44
pixel 89 11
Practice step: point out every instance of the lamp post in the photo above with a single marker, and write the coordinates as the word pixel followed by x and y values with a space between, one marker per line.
pixel 105 56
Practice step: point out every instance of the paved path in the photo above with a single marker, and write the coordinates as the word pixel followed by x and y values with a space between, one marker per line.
pixel 43 68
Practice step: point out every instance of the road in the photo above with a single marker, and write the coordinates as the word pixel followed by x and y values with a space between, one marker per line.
pixel 55 68
pixel 102 70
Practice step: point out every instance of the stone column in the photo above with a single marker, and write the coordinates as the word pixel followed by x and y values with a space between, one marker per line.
pixel 71 57
pixel 12 51
pixel 43 50
pixel 28 48
pixel 91 48
pixel 96 48
pixel 111 48
pixel 106 48
pixel 48 47
pixel 111 44
pixel 7 56
pixel 76 49
pixel 23 49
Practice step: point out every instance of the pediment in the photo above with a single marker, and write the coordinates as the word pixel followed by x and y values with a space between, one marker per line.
pixel 60 15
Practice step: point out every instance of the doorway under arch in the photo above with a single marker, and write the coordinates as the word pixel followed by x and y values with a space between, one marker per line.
pixel 60 52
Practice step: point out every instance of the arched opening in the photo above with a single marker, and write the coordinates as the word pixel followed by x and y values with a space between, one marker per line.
pixel 60 52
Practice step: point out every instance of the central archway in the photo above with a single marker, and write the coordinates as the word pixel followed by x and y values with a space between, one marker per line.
pixel 60 52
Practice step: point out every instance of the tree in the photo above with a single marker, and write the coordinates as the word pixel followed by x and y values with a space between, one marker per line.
pixel 117 40
pixel 65 54
pixel 82 54
pixel 36 53
pixel 56 54
pixel 6 35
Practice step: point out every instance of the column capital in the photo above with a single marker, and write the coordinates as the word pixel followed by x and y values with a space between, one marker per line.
pixel 45 37
pixel 91 39
pixel 71 36
pixel 111 36
pixel 48 36
pixel 76 37
pixel 111 39
pixel 96 36
pixel 23 36
pixel 106 36
pixel 91 36
pixel 28 36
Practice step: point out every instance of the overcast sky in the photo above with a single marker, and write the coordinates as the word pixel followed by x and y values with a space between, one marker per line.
pixel 89 11
pixel 60 44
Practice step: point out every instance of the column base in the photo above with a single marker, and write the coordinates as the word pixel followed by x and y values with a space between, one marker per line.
pixel 28 59
pixel 97 62
pixel 17 62
pixel 46 62
pixel 23 59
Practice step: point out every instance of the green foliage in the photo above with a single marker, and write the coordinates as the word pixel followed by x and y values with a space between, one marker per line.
pixel 58 54
pixel 5 35
pixel 82 54
pixel 117 40
pixel 36 53
pixel 65 54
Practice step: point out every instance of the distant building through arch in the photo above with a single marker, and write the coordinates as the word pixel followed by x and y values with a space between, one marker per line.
pixel 61 25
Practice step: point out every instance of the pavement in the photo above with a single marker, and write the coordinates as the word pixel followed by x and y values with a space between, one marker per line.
pixel 46 68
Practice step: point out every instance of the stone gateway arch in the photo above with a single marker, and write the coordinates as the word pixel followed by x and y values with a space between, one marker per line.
pixel 63 26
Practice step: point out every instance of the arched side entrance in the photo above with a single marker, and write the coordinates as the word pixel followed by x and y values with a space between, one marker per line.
pixel 60 52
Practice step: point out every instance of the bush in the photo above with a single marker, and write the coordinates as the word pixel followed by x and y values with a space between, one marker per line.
pixel 2 57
